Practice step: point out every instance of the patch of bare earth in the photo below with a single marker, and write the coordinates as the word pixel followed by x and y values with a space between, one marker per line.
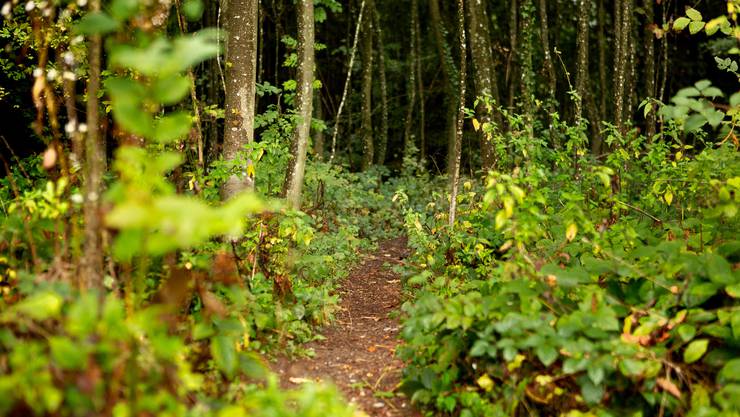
pixel 358 354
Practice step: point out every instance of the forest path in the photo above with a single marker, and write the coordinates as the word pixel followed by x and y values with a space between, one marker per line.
pixel 358 354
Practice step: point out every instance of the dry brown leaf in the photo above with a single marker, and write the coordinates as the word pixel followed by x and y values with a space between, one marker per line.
pixel 668 386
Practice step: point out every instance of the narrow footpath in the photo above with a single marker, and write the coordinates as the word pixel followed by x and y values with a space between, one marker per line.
pixel 358 354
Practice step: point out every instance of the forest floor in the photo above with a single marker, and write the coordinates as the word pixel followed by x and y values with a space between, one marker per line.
pixel 358 354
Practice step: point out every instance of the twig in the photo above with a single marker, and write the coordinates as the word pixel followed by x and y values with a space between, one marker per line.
pixel 641 211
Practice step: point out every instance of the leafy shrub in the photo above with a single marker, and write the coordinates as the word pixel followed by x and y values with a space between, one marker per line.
pixel 615 294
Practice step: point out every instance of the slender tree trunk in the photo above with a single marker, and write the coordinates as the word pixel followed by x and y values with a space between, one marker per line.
pixel 91 274
pixel 450 79
pixel 347 81
pixel 511 61
pixel 197 122
pixel 297 164
pixel 411 86
pixel 623 17
pixel 552 81
pixel 485 73
pixel 241 74
pixel 318 145
pixel 383 136
pixel 455 178
pixel 419 78
pixel 649 49
pixel 526 69
pixel 584 6
pixel 603 87
pixel 368 145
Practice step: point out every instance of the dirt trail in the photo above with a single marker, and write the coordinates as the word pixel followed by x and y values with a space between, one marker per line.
pixel 358 354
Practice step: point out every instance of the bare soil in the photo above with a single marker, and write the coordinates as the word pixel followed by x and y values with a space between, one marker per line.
pixel 358 354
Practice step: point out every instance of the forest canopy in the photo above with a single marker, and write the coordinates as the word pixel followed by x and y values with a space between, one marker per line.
pixel 190 189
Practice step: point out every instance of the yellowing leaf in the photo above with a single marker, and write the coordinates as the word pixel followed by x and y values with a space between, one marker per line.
pixel 668 196
pixel 485 382
pixel 476 125
pixel 570 232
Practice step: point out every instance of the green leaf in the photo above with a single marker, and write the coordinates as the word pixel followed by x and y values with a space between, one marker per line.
pixel 681 23
pixel 39 306
pixel 172 127
pixel 712 92
pixel 695 350
pixel 694 122
pixel 546 354
pixel 192 9
pixel 96 23
pixel 595 372
pixel 730 372
pixel 170 90
pixel 123 9
pixel 733 290
pixel 592 393
pixel 735 99
pixel 695 27
pixel 693 14
pixel 702 84
pixel 127 97
pixel 66 354
pixel 225 355
pixel 719 270
pixel 686 332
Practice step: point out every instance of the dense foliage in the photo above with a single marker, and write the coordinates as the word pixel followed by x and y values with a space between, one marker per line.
pixel 580 257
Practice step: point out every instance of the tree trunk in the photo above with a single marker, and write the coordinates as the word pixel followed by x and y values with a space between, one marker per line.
pixel 552 81
pixel 411 86
pixel 383 136
pixel 366 50
pixel 318 144
pixel 584 6
pixel 511 60
pixel 450 78
pixel 649 47
pixel 241 74
pixel 91 274
pixel 526 69
pixel 353 52
pixel 484 72
pixel 304 101
pixel 455 178
pixel 623 17
pixel 419 78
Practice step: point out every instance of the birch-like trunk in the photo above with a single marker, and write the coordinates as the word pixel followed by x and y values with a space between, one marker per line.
pixel 366 51
pixel 455 177
pixel 241 78
pixel 304 101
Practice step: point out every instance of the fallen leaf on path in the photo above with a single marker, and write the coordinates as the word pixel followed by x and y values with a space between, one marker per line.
pixel 298 381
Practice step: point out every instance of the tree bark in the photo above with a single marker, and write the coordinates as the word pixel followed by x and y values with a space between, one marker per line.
pixel 318 144
pixel 484 73
pixel 241 74
pixel 366 50
pixel 419 78
pixel 511 60
pixel 552 81
pixel 623 17
pixel 582 87
pixel 304 99
pixel 455 178
pixel 411 85
pixel 383 136
pixel 91 274
pixel 649 47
